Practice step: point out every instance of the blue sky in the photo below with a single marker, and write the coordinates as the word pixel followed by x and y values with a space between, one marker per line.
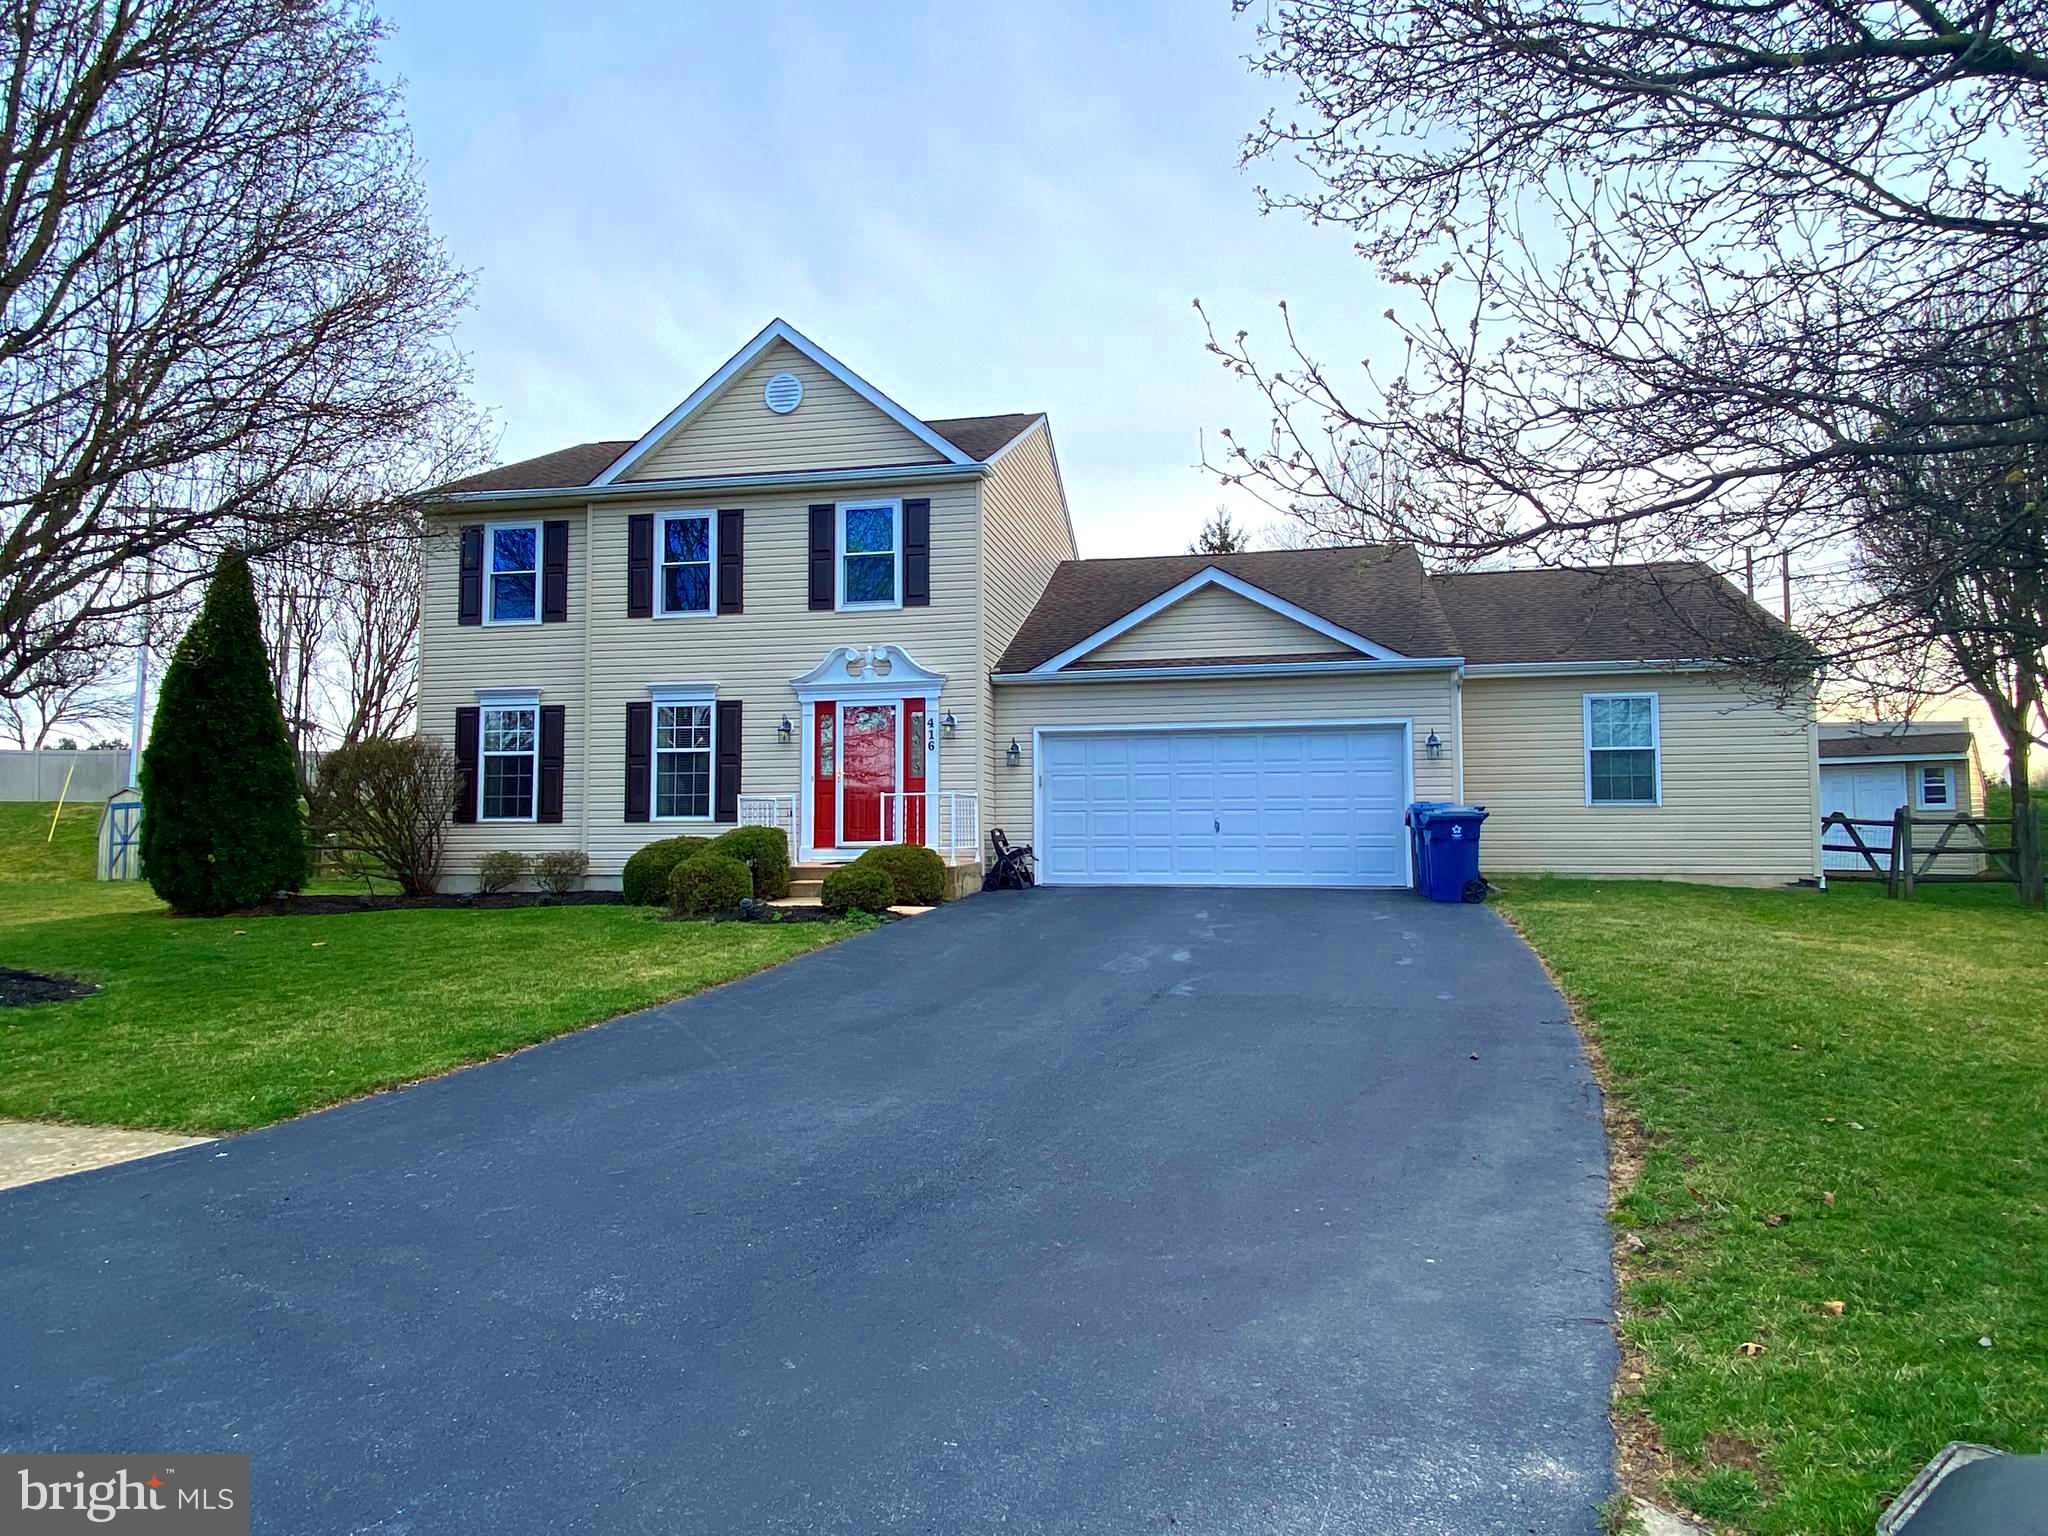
pixel 976 209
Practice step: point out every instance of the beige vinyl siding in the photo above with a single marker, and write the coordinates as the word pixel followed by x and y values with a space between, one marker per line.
pixel 1026 534
pixel 1969 795
pixel 1213 621
pixel 456 660
pixel 735 433
pixel 1738 782
pixel 1425 698
pixel 753 655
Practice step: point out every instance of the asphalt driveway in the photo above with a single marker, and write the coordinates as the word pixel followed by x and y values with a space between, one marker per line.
pixel 1071 1210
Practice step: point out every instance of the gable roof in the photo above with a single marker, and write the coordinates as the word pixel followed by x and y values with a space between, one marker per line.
pixel 1894 738
pixel 1661 611
pixel 777 330
pixel 1378 593
pixel 978 437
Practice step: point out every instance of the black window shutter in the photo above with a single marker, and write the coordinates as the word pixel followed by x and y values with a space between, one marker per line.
pixel 824 539
pixel 553 721
pixel 917 553
pixel 554 573
pixel 732 555
pixel 639 743
pixel 640 566
pixel 470 598
pixel 467 724
pixel 725 804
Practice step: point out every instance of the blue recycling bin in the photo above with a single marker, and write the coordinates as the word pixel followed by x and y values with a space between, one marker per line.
pixel 1449 840
pixel 1418 853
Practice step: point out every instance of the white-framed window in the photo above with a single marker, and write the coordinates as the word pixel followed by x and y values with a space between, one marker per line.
pixel 508 767
pixel 686 567
pixel 1622 749
pixel 1937 787
pixel 870 562
pixel 512 573
pixel 683 735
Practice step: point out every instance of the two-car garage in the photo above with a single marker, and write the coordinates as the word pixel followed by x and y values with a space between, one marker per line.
pixel 1256 804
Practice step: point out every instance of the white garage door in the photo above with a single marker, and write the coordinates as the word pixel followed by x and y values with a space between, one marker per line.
pixel 1264 806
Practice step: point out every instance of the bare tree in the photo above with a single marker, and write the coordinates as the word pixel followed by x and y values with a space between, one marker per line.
pixel 1948 588
pixel 218 290
pixel 1651 260
pixel 82 690
pixel 341 623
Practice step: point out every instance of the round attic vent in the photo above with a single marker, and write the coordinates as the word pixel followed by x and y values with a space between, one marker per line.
pixel 785 392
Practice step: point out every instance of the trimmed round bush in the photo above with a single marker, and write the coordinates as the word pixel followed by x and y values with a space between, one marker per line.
pixel 765 851
pixel 917 874
pixel 858 887
pixel 707 883
pixel 644 881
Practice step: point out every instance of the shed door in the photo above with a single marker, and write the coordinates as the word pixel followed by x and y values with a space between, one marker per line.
pixel 1238 807
pixel 1863 792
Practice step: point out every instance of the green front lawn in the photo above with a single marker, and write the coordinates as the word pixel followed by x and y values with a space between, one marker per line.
pixel 1843 1099
pixel 220 1024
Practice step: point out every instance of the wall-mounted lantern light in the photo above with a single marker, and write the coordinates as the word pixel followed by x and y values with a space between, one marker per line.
pixel 1015 756
pixel 1433 746
pixel 784 731
pixel 947 723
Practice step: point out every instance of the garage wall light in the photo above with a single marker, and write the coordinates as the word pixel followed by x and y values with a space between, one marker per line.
pixel 1015 756
pixel 1433 746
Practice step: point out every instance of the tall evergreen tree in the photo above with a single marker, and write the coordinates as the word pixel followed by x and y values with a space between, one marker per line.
pixel 221 824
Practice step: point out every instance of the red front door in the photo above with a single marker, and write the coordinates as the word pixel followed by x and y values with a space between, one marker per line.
pixel 824 775
pixel 916 726
pixel 867 773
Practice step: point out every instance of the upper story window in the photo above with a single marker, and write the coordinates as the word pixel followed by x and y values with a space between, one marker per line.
pixel 1937 789
pixel 871 554
pixel 689 553
pixel 509 748
pixel 682 761
pixel 512 566
pixel 1622 747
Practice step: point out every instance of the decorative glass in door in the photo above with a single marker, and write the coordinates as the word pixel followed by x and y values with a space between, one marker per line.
pixel 867 773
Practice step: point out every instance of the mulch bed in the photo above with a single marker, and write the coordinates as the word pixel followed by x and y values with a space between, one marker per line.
pixel 325 905
pixel 777 915
pixel 18 989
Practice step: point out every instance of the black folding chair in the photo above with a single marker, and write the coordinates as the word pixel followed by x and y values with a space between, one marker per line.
pixel 1011 868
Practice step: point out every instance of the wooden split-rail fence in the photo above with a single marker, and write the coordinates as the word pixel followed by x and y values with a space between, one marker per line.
pixel 1910 861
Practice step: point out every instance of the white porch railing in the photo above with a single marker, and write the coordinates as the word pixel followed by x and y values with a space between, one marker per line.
pixel 771 811
pixel 951 820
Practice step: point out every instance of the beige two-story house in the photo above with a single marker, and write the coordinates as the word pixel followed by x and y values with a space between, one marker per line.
pixel 793 603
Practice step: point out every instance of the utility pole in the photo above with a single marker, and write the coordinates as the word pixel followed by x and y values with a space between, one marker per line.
pixel 141 712
pixel 1785 575
pixel 1749 572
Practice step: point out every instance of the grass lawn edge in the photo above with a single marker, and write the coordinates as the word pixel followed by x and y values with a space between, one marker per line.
pixel 852 927
pixel 1641 1464
pixel 382 1089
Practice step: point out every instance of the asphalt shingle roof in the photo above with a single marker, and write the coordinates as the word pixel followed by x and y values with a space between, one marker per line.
pixel 1891 738
pixel 568 468
pixel 1380 593
pixel 1668 611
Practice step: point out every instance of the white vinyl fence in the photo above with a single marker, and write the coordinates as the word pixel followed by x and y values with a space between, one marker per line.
pixel 40 775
